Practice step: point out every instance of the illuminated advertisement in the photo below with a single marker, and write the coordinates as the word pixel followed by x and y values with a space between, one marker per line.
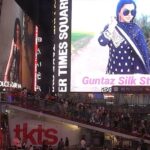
pixel 11 45
pixel 16 46
pixel 100 44
pixel 36 58
pixel 62 47
pixel 109 44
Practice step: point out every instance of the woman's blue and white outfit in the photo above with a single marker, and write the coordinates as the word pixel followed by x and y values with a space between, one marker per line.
pixel 128 52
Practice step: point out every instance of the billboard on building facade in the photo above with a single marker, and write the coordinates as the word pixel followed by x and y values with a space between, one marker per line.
pixel 16 47
pixel 87 58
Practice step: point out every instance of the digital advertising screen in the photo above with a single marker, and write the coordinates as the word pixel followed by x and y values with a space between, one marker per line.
pixel 101 44
pixel 16 47
pixel 10 44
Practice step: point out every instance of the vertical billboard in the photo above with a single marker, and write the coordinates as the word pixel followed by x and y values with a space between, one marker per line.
pixel 108 42
pixel 16 46
pixel 38 43
pixel 61 48
pixel 11 44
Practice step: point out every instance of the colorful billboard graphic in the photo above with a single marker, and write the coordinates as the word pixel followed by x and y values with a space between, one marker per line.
pixel 97 62
pixel 104 51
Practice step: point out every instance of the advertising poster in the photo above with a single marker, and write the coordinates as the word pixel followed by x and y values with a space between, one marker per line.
pixel 16 47
pixel 102 59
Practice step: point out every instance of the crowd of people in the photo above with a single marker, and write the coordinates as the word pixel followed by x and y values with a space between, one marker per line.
pixel 19 144
pixel 131 120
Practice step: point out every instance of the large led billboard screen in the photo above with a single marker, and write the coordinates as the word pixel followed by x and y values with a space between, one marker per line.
pixel 16 47
pixel 100 44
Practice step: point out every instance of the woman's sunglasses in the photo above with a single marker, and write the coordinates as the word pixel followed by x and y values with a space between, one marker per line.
pixel 126 12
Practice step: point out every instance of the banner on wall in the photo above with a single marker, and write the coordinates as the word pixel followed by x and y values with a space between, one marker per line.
pixel 37 129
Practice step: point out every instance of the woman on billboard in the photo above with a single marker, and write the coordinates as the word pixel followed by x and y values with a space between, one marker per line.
pixel 13 68
pixel 128 50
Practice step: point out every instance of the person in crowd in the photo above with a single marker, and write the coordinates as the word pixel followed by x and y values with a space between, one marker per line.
pixel 66 143
pixel 83 144
pixel 143 145
pixel 128 50
pixel 50 147
pixel 45 145
pixel 24 145
pixel 60 144
pixel 30 147
pixel 17 142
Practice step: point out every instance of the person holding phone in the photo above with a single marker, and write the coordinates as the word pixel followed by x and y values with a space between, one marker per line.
pixel 128 50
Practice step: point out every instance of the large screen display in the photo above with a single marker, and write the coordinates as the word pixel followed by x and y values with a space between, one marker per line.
pixel 97 62
pixel 100 44
pixel 16 47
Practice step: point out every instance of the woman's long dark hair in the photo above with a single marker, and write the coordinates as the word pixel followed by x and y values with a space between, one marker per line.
pixel 17 22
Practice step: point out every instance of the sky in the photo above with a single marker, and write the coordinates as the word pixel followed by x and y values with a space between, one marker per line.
pixel 92 15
